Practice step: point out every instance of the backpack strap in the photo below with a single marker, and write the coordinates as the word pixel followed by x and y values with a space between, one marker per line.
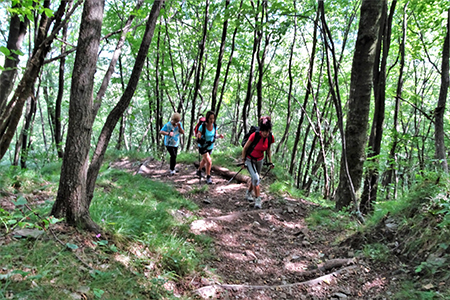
pixel 203 142
pixel 253 144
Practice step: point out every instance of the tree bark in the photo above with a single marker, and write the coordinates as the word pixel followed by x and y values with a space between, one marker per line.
pixel 219 59
pixel 391 172
pixel 198 73
pixel 248 96
pixel 359 103
pixel 71 200
pixel 308 91
pixel 124 102
pixel 440 109
pixel 10 116
pixel 230 60
pixel 369 194
pixel 291 84
pixel 17 32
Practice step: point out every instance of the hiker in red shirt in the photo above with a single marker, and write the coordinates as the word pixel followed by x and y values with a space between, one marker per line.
pixel 253 156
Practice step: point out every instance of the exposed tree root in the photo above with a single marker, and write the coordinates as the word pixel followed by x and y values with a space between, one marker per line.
pixel 320 279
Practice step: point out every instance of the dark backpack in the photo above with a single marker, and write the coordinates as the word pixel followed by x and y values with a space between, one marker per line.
pixel 253 129
pixel 202 142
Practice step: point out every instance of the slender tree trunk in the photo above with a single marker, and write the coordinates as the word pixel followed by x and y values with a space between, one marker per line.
pixel 198 72
pixel 71 200
pixel 57 121
pixel 230 59
pixel 219 59
pixel 291 84
pixel 261 59
pixel 440 109
pixel 27 131
pixel 17 33
pixel 308 90
pixel 354 140
pixel 391 172
pixel 369 194
pixel 248 96
pixel 10 116
pixel 124 102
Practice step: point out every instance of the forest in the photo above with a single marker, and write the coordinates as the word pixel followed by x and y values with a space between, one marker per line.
pixel 356 91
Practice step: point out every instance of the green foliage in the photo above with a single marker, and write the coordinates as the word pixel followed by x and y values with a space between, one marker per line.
pixel 136 214
pixel 378 252
pixel 327 219
pixel 409 290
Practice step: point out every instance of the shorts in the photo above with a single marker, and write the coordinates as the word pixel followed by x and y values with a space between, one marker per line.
pixel 204 151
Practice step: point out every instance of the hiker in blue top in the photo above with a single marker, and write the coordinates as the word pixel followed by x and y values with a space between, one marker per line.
pixel 206 137
pixel 171 131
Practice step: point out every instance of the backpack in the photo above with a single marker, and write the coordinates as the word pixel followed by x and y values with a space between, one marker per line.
pixel 253 129
pixel 202 142
pixel 200 122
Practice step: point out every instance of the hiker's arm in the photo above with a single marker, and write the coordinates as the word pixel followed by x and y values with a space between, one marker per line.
pixel 269 157
pixel 244 150
pixel 180 129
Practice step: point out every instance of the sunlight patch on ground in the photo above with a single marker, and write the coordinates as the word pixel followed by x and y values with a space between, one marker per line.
pixel 293 225
pixel 123 259
pixel 236 256
pixel 377 283
pixel 200 226
pixel 229 240
pixel 295 266
pixel 227 188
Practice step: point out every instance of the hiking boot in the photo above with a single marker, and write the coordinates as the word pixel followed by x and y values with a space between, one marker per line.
pixel 248 196
pixel 258 203
pixel 199 173
pixel 172 172
pixel 208 180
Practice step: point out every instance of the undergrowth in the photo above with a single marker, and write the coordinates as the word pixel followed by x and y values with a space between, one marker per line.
pixel 146 249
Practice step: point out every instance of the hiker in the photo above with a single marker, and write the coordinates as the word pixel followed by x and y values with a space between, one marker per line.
pixel 206 136
pixel 171 131
pixel 254 160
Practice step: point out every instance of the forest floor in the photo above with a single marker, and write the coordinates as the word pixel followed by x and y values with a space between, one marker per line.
pixel 268 253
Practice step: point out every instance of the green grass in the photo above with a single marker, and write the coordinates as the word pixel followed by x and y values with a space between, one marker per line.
pixel 147 242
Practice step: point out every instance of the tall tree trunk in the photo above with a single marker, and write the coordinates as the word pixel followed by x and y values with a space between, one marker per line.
pixel 291 84
pixel 308 90
pixel 124 102
pixel 440 109
pixel 354 140
pixel 57 121
pixel 220 58
pixel 198 73
pixel 71 200
pixel 230 60
pixel 10 116
pixel 369 194
pixel 248 96
pixel 17 32
pixel 27 130
pixel 391 171
pixel 261 59
pixel 157 92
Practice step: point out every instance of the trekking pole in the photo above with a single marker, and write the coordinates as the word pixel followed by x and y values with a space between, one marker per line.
pixel 234 175
pixel 267 172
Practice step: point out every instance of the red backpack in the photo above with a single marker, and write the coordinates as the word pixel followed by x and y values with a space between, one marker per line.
pixel 200 122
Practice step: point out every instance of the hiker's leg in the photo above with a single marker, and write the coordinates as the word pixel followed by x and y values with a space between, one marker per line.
pixel 253 167
pixel 173 156
pixel 258 166
pixel 208 163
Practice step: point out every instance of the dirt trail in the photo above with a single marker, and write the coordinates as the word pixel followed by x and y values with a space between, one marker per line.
pixel 266 253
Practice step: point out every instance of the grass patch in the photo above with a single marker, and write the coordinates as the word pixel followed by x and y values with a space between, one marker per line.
pixel 147 243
